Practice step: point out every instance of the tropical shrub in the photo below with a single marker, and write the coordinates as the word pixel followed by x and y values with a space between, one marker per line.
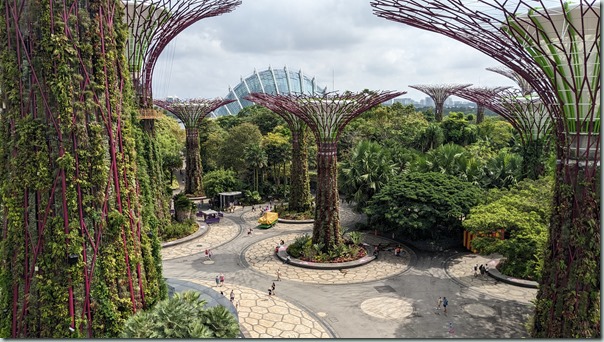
pixel 523 212
pixel 422 205
pixel 177 230
pixel 182 316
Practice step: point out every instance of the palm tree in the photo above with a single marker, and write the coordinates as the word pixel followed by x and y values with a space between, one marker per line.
pixel 453 160
pixel 255 157
pixel 182 316
pixel 221 322
pixel 503 170
pixel 364 172
pixel 431 137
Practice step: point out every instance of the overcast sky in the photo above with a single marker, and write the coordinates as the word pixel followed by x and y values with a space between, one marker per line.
pixel 339 42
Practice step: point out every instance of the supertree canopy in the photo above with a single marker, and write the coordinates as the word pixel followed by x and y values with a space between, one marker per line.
pixel 439 94
pixel 190 113
pixel 555 46
pixel 75 253
pixel 527 115
pixel 525 87
pixel 152 24
pixel 476 94
pixel 326 116
pixel 299 197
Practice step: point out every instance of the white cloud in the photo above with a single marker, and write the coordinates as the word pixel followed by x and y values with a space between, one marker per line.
pixel 340 42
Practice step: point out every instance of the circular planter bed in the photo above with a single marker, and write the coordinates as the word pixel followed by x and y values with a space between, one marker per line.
pixel 283 256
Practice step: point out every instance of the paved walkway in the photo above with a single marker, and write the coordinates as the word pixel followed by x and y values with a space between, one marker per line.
pixel 390 297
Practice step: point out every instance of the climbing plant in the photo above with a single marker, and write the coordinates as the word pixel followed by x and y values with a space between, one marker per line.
pixel 76 256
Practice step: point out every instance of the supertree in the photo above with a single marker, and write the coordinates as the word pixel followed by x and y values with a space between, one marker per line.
pixel 190 113
pixel 152 24
pixel 555 47
pixel 326 116
pixel 439 94
pixel 525 87
pixel 300 198
pixel 72 243
pixel 475 94
pixel 527 115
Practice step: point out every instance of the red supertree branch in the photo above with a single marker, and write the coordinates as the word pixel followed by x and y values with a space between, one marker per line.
pixel 191 112
pixel 152 25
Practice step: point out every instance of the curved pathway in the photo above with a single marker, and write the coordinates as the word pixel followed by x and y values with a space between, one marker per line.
pixel 390 297
pixel 260 256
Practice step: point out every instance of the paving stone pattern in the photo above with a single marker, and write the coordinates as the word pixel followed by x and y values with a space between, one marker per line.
pixel 268 317
pixel 387 298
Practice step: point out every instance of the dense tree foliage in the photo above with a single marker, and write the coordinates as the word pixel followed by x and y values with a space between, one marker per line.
pixel 237 139
pixel 457 130
pixel 523 212
pixel 218 181
pixel 170 138
pixel 495 132
pixel 422 205
pixel 264 119
pixel 366 170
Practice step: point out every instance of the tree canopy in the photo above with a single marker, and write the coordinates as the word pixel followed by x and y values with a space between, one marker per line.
pixel 523 212
pixel 422 205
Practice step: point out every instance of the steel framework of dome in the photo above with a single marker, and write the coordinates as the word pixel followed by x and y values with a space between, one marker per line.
pixel 270 81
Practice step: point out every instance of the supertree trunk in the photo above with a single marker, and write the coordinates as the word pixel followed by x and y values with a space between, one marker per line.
pixel 300 197
pixel 479 114
pixel 71 250
pixel 193 183
pixel 534 155
pixel 326 228
pixel 568 301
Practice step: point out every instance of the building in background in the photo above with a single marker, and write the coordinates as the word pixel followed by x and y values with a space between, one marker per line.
pixel 270 81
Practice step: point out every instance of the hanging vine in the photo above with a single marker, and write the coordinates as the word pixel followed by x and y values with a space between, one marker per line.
pixel 77 258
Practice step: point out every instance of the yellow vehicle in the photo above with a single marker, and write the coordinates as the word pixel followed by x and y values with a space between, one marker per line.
pixel 267 220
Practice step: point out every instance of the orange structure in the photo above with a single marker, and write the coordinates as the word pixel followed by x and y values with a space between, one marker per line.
pixel 468 237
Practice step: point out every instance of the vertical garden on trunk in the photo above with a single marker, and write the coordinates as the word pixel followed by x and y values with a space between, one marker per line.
pixel 76 257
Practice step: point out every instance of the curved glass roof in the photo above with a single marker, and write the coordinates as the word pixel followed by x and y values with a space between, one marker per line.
pixel 271 81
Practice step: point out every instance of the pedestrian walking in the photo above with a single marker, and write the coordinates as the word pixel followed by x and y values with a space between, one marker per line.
pixel 273 287
pixel 481 268
pixel 445 304
pixel 439 302
pixel 221 279
pixel 476 270
pixel 249 232
pixel 232 296
pixel 210 254
pixel 207 254
pixel 253 208
pixel 217 280
pixel 279 275
pixel 270 292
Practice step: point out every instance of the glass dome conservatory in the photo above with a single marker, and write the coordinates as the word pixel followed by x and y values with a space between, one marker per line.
pixel 271 81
